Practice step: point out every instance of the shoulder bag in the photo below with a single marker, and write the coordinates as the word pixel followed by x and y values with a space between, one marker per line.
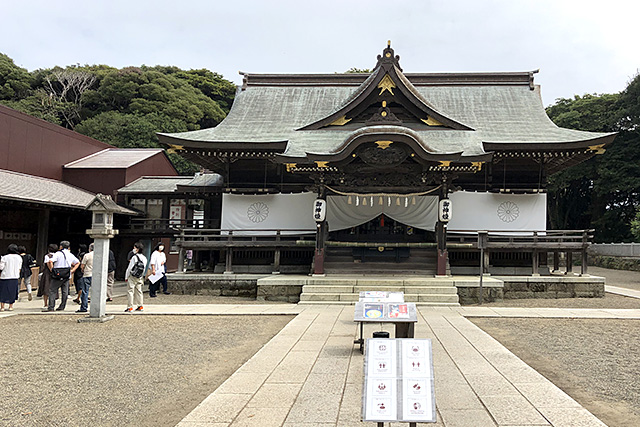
pixel 61 273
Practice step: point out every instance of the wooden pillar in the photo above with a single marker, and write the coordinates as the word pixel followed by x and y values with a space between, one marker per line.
pixel 441 233
pixel 556 261
pixel 441 239
pixel 228 269
pixel 535 262
pixel 535 256
pixel 487 260
pixel 321 231
pixel 585 259
pixel 276 255
pixel 569 262
pixel 43 235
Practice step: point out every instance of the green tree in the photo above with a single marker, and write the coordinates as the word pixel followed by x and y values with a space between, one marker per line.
pixel 603 192
pixel 354 70
pixel 15 82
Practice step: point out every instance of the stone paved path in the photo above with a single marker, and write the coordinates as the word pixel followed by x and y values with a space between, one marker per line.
pixel 310 374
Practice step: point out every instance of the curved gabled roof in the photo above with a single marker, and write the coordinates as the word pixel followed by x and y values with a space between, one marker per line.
pixel 494 110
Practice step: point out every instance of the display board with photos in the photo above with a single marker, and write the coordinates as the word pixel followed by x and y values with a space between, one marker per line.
pixel 385 312
pixel 398 381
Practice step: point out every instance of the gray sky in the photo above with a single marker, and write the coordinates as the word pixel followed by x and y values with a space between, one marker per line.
pixel 580 46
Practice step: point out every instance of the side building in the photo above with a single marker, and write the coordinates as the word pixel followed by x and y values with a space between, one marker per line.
pixel 49 174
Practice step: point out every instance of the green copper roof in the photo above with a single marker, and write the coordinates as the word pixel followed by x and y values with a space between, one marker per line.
pixel 500 108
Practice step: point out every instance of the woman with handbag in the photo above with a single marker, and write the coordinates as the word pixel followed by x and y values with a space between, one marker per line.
pixel 44 282
pixel 10 266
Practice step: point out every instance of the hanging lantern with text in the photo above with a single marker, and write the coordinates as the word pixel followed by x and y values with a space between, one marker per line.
pixel 319 210
pixel 444 211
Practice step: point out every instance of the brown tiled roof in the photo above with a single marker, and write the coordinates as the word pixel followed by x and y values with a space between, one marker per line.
pixel 34 189
pixel 114 158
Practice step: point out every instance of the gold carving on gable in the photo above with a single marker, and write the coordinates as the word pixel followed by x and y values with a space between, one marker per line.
pixel 384 144
pixel 322 164
pixel 386 84
pixel 290 166
pixel 444 163
pixel 430 121
pixel 340 122
pixel 477 165
pixel 174 148
pixel 598 149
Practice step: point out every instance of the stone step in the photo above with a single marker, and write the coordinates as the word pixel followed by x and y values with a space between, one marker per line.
pixel 429 304
pixel 338 297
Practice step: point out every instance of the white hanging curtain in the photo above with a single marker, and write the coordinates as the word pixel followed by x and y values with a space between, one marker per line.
pixel 491 211
pixel 260 213
pixel 342 215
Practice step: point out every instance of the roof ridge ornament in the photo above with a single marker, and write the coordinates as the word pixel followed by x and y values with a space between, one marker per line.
pixel 388 57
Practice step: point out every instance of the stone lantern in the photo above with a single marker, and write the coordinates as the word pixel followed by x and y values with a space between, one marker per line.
pixel 101 231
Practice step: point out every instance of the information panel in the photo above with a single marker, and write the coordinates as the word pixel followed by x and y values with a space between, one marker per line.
pixel 392 312
pixel 398 381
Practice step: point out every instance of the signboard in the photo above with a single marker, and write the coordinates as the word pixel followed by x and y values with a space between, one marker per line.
pixel 398 381
pixel 381 296
pixel 176 214
pixel 389 312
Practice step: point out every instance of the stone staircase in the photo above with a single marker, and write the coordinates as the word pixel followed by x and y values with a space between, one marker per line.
pixel 346 290
pixel 421 262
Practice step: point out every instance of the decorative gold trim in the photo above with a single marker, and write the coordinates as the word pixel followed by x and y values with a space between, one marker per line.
pixel 386 84
pixel 340 122
pixel 322 164
pixel 174 148
pixel 478 165
pixel 444 163
pixel 384 144
pixel 290 166
pixel 598 149
pixel 430 121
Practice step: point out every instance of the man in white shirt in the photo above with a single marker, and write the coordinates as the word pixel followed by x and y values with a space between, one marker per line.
pixel 158 271
pixel 61 259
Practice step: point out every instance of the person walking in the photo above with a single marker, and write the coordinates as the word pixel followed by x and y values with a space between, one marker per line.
pixel 111 275
pixel 77 276
pixel 10 266
pixel 157 263
pixel 86 266
pixel 44 282
pixel 25 272
pixel 65 262
pixel 135 278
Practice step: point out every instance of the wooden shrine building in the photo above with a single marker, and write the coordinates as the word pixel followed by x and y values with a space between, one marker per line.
pixel 383 149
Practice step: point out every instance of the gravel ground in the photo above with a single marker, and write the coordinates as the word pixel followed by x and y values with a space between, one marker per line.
pixel 621 278
pixel 134 370
pixel 193 299
pixel 595 361
pixel 608 301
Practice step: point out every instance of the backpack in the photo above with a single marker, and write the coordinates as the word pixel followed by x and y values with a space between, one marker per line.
pixel 138 268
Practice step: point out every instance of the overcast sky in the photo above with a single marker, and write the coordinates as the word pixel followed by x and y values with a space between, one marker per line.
pixel 580 47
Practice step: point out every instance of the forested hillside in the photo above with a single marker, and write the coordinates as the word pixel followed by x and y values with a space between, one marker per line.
pixel 123 107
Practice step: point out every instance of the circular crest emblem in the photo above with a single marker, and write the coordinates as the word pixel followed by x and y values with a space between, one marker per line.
pixel 508 211
pixel 258 212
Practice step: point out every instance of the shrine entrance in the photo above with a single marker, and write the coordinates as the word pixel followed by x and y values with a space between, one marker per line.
pixel 381 246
